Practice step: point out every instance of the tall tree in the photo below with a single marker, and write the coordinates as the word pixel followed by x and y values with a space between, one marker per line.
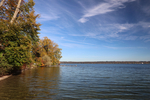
pixel 48 47
pixel 18 38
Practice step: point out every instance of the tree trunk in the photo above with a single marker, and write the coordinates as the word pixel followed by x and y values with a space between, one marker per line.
pixel 16 12
pixel 2 3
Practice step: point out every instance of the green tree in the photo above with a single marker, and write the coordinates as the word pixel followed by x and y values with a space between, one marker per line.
pixel 18 31
pixel 5 68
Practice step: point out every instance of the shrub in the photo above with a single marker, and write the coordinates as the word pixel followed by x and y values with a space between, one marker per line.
pixel 5 68
pixel 46 60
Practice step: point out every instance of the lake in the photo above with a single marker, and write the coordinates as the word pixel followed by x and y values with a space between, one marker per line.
pixel 79 82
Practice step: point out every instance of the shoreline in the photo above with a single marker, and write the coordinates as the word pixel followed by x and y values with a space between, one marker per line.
pixel 7 76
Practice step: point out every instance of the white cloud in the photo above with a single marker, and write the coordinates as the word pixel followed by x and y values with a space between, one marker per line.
pixel 47 17
pixel 110 31
pixel 77 42
pixel 124 47
pixel 103 8
pixel 115 32
pixel 48 10
pixel 122 27
pixel 131 38
pixel 72 45
pixel 100 9
pixel 83 20
pixel 146 38
pixel 87 34
pixel 144 24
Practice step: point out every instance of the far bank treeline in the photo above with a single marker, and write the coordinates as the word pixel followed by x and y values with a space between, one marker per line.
pixel 19 41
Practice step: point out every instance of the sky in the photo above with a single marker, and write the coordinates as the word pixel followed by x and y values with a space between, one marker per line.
pixel 97 30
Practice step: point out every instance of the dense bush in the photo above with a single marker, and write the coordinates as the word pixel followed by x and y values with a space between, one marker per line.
pixel 5 68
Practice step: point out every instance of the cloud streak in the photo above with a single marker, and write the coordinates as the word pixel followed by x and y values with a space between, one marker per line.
pixel 47 17
pixel 125 47
pixel 103 8
pixel 109 32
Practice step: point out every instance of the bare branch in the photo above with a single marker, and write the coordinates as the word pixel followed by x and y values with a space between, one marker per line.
pixel 2 3
pixel 16 12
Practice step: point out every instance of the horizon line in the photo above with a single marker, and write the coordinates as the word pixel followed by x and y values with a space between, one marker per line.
pixel 105 61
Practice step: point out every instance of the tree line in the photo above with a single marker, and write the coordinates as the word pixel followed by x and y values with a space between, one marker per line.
pixel 19 41
pixel 106 62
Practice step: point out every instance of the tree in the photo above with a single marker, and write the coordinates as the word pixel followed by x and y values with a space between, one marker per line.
pixel 18 31
pixel 48 47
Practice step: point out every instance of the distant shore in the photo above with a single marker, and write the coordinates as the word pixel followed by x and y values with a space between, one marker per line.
pixel 105 62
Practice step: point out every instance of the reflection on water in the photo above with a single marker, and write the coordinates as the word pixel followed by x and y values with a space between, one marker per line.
pixel 84 81
pixel 32 84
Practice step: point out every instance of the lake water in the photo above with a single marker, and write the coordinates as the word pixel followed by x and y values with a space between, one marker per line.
pixel 79 82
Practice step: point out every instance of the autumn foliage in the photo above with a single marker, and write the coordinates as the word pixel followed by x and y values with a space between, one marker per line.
pixel 19 41
pixel 47 48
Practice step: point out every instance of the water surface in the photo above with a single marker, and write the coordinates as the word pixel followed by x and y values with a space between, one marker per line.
pixel 79 81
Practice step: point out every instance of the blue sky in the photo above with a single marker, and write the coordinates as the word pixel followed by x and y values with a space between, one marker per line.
pixel 97 30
